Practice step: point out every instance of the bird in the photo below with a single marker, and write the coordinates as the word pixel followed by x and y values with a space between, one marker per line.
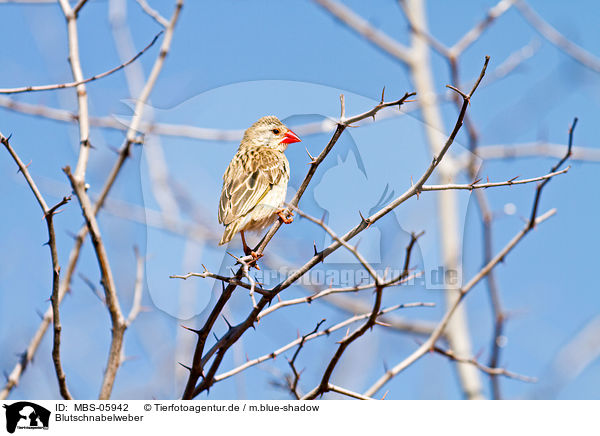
pixel 255 182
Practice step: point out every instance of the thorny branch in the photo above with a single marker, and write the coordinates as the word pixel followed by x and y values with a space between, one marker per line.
pixel 490 370
pixel 49 213
pixel 431 341
pixel 324 386
pixel 80 82
pixel 199 360
pixel 83 121
pixel 295 378
pixel 326 332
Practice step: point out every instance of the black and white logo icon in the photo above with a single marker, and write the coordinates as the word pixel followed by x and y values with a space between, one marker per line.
pixel 26 415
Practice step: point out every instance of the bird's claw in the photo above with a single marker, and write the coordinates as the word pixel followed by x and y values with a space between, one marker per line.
pixel 285 219
pixel 255 257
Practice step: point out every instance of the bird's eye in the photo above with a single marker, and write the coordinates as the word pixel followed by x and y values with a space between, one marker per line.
pixel 276 131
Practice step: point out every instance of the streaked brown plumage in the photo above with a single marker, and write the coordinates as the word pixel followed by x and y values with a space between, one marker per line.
pixel 255 182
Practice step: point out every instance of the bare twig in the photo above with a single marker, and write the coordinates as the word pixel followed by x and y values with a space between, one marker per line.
pixel 430 342
pixel 581 350
pixel 82 98
pixel 223 344
pixel 79 82
pixel 49 217
pixel 110 292
pixel 295 378
pixel 327 331
pixel 347 392
pixel 421 72
pixel 343 345
pixel 538 191
pixel 78 6
pixel 198 362
pixel 324 386
pixel 335 237
pixel 472 186
pixel 534 149
pixel 475 33
pixel 177 130
pixel 512 62
pixel 153 13
pixel 495 371
pixel 568 47
pixel 20 367
pixel 138 288
pixel 330 291
pixel 365 29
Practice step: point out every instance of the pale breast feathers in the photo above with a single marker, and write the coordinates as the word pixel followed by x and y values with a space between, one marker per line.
pixel 248 179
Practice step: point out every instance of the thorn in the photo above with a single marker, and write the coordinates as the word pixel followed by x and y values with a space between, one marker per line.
pixel 247 358
pixel 190 329
pixel 384 395
pixel 226 322
pixel 513 179
pixel 367 221
pixel 478 354
pixel 312 159
pixel 384 324
pixel 278 298
pixel 216 338
pixel 382 95
pixel 235 257
pixel 315 248
pixel 185 366
pixel 86 143
pixel 463 95
pixel 26 166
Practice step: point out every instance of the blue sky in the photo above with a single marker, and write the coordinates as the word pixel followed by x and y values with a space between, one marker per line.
pixel 232 62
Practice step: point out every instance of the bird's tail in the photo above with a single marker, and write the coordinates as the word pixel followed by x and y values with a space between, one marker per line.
pixel 230 231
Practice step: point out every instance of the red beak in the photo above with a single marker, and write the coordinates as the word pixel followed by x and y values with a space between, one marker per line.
pixel 289 138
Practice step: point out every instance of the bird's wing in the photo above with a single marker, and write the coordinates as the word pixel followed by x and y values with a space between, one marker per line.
pixel 248 178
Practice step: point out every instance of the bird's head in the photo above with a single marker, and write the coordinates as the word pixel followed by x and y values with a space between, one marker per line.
pixel 269 132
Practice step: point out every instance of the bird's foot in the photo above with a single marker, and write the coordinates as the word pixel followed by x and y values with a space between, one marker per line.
pixel 255 256
pixel 285 219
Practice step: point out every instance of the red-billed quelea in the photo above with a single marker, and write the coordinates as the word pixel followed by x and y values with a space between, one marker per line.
pixel 255 182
